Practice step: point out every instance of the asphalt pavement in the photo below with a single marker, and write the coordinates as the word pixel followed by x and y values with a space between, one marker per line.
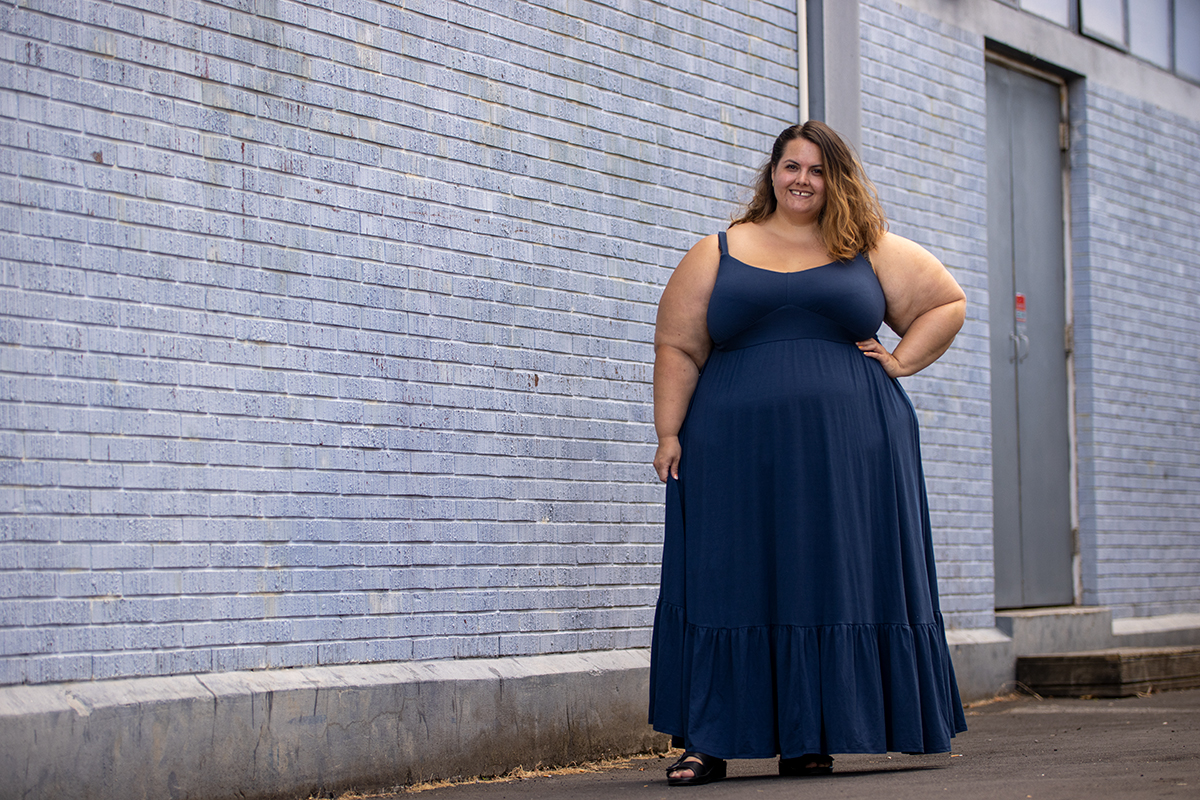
pixel 1015 749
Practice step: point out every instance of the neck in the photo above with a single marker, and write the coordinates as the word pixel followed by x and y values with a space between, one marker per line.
pixel 805 228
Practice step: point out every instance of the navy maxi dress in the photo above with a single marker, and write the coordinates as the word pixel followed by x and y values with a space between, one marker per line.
pixel 798 610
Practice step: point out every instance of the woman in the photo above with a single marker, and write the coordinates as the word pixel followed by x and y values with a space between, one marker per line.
pixel 798 612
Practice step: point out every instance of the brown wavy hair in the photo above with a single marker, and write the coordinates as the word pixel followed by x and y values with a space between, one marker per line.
pixel 852 220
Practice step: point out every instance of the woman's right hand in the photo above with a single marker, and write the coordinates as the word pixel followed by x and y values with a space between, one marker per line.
pixel 666 458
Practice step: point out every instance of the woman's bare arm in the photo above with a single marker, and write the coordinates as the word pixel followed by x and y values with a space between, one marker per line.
pixel 681 347
pixel 925 306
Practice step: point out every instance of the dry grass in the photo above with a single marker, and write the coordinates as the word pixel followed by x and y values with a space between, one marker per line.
pixel 1019 691
pixel 1000 698
pixel 513 775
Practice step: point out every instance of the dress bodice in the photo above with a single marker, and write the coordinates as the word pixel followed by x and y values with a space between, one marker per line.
pixel 841 301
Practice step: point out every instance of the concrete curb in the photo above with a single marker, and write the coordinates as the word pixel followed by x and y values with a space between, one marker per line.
pixel 292 733
pixel 985 660
pixel 289 733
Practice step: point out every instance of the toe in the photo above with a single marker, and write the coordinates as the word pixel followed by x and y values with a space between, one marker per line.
pixel 684 771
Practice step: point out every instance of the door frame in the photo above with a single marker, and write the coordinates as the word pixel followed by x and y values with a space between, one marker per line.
pixel 1065 131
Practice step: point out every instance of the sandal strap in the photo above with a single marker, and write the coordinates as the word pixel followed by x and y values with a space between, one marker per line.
pixel 700 760
pixel 704 769
pixel 695 765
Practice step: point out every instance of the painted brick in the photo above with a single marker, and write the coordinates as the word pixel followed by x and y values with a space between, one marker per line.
pixel 354 365
pixel 932 181
pixel 1135 363
pixel 1135 377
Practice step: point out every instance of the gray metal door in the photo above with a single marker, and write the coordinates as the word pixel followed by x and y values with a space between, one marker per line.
pixel 1031 466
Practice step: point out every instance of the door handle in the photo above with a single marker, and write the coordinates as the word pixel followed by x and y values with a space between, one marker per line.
pixel 1020 347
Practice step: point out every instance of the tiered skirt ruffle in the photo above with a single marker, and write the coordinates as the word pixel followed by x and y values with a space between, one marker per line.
pixel 765 690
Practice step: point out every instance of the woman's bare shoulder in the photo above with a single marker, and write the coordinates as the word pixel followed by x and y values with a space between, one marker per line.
pixel 709 244
pixel 744 233
pixel 701 261
pixel 894 251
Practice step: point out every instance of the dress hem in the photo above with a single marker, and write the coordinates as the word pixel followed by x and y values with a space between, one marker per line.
pixel 854 687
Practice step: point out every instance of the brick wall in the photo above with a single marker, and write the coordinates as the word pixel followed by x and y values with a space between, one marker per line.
pixel 325 337
pixel 1134 247
pixel 1135 220
pixel 924 126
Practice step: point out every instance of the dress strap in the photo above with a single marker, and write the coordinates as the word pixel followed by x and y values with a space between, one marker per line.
pixel 723 242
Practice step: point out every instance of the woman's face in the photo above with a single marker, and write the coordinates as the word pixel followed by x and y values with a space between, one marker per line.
pixel 799 179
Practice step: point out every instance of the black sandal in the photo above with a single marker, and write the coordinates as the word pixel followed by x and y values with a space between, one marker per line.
pixel 678 761
pixel 806 765
pixel 704 769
